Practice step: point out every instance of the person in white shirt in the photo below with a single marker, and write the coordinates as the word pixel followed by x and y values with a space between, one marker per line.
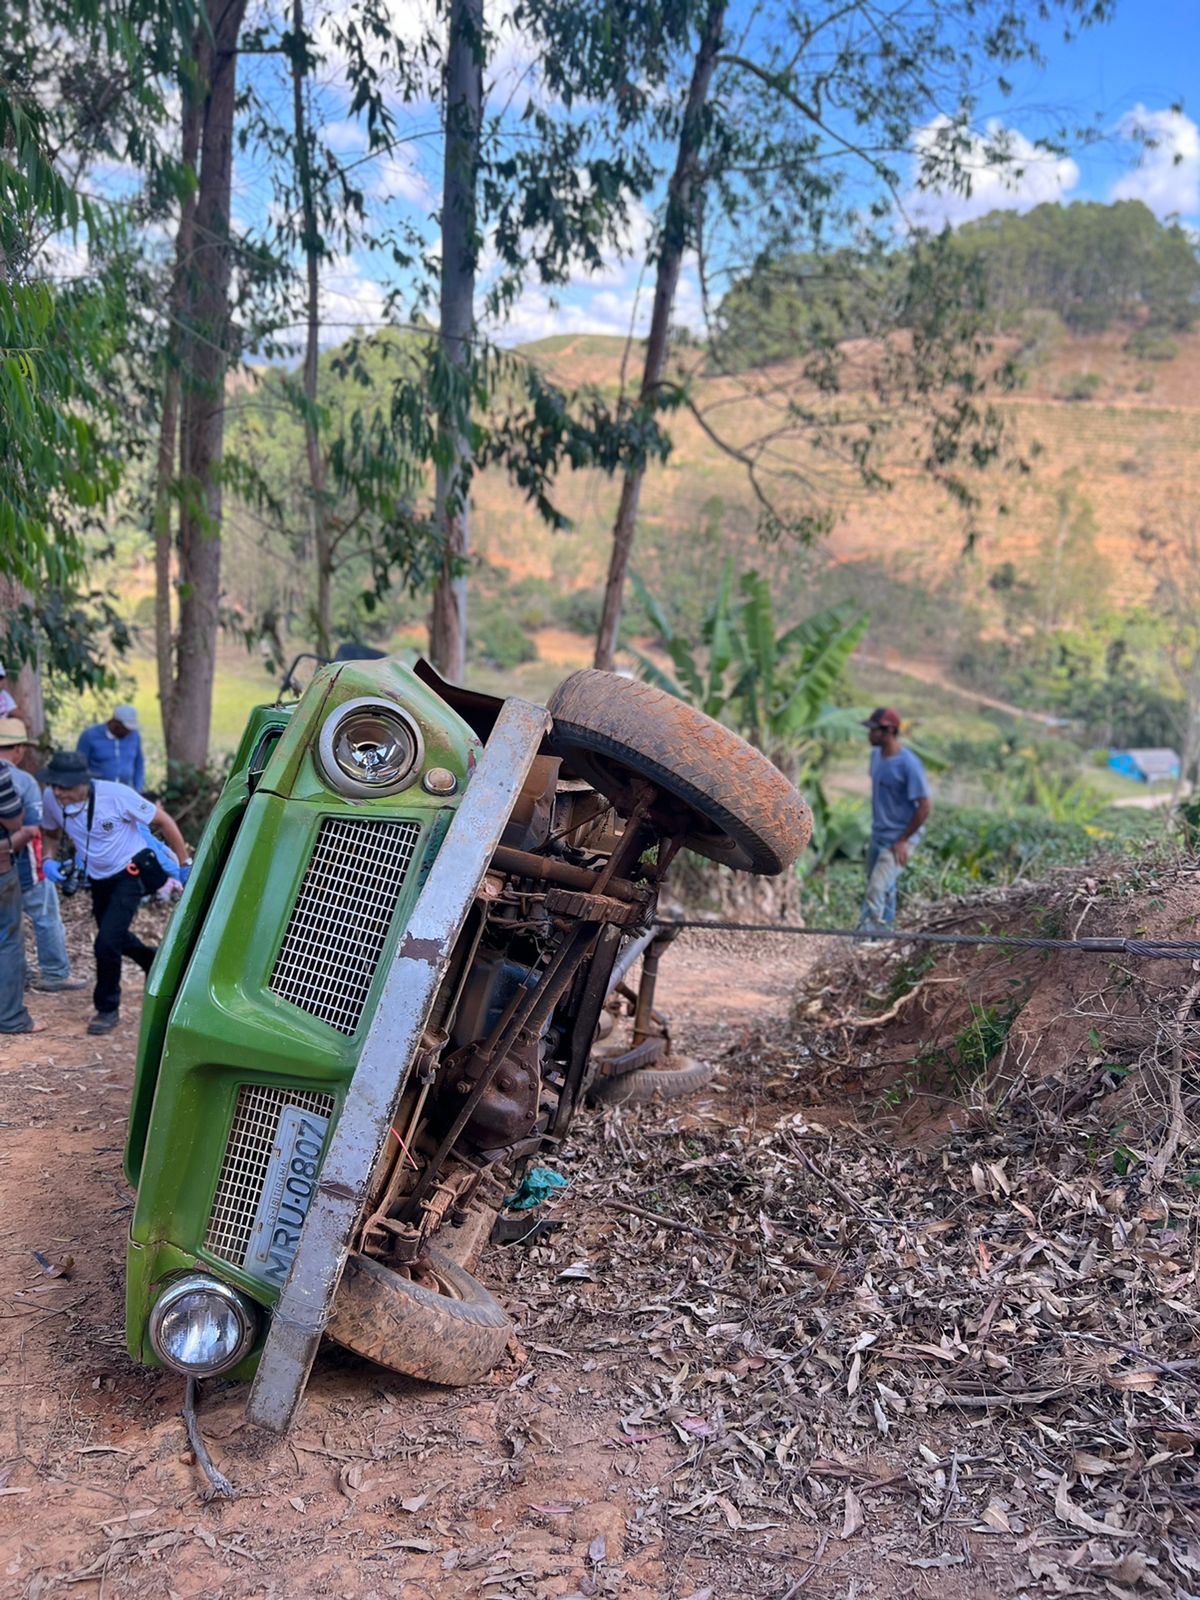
pixel 102 820
pixel 8 706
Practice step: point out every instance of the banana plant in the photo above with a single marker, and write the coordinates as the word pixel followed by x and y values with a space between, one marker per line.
pixel 779 690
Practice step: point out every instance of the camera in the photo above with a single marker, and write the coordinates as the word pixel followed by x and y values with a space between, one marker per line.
pixel 73 879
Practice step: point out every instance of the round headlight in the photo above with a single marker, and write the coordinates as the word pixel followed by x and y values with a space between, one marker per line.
pixel 368 748
pixel 200 1326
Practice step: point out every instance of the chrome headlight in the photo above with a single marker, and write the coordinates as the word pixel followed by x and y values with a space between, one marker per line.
pixel 200 1326
pixel 368 748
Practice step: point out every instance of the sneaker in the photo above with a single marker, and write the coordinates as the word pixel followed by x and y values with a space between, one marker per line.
pixel 104 1022
pixel 58 985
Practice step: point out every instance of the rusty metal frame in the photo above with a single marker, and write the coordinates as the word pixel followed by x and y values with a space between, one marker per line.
pixel 393 1038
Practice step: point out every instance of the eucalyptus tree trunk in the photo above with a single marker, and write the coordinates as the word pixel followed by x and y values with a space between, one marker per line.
pixel 460 254
pixel 168 428
pixel 682 197
pixel 26 681
pixel 310 243
pixel 202 398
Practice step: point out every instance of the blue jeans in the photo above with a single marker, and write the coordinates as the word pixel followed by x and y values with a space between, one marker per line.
pixel 883 873
pixel 13 1016
pixel 42 907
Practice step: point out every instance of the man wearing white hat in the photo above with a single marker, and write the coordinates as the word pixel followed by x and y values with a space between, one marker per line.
pixel 114 749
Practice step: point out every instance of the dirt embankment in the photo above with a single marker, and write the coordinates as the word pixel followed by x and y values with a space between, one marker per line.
pixel 904 1305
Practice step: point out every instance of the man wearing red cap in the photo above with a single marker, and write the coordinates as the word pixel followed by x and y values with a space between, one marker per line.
pixel 900 807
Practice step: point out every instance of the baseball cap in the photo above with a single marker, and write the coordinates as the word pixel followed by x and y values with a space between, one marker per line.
pixel 12 731
pixel 126 715
pixel 883 717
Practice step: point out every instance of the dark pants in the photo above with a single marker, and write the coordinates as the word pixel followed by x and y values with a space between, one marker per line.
pixel 115 902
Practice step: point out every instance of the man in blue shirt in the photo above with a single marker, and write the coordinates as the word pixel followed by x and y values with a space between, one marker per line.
pixel 114 749
pixel 900 807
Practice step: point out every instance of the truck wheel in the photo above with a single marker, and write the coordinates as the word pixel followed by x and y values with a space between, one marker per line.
pixel 678 1077
pixel 740 809
pixel 453 1335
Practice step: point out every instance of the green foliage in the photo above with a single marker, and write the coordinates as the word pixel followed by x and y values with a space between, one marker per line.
pixel 498 640
pixel 1080 386
pixel 1152 344
pixel 190 793
pixel 79 77
pixel 970 844
pixel 780 690
pixel 775 688
pixel 841 832
pixel 1093 264
pixel 1081 266
pixel 979 1040
pixel 1105 678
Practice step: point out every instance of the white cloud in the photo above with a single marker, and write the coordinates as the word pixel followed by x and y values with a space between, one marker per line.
pixel 349 296
pixel 611 303
pixel 343 137
pixel 512 70
pixel 1167 176
pixel 395 176
pixel 1005 172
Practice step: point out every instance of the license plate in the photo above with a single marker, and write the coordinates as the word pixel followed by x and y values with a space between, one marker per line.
pixel 287 1193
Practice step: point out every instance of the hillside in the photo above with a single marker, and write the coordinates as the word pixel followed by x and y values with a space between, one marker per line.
pixel 1101 470
pixel 1132 452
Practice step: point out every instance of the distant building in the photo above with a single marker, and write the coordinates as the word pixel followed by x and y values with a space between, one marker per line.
pixel 1145 766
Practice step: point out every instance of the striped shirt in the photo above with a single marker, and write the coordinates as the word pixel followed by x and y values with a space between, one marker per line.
pixel 11 810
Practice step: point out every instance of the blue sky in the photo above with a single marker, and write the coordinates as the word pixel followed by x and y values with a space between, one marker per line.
pixel 1119 80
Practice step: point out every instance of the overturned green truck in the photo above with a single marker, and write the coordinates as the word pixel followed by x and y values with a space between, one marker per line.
pixel 375 1004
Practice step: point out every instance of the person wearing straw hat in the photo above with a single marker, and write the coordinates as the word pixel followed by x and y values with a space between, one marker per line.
pixel 37 892
pixel 114 749
pixel 14 836
pixel 102 820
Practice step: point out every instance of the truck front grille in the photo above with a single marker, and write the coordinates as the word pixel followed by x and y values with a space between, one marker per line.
pixel 342 916
pixel 247 1161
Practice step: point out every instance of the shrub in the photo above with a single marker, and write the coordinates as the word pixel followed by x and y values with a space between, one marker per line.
pixel 499 640
pixel 1080 386
pixel 190 793
pixel 580 610
pixel 1152 344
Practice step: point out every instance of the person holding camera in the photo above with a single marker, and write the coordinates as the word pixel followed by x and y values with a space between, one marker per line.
pixel 102 819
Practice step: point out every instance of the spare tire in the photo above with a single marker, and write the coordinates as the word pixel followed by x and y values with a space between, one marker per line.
pixel 744 812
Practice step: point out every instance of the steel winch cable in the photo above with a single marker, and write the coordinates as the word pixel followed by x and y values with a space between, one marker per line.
pixel 1148 949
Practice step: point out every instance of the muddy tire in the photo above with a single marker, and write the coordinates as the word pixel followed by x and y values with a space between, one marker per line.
pixel 455 1337
pixel 678 1078
pixel 739 809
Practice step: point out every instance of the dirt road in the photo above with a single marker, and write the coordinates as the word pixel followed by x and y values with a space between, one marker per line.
pixel 527 1487
pixel 860 1321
